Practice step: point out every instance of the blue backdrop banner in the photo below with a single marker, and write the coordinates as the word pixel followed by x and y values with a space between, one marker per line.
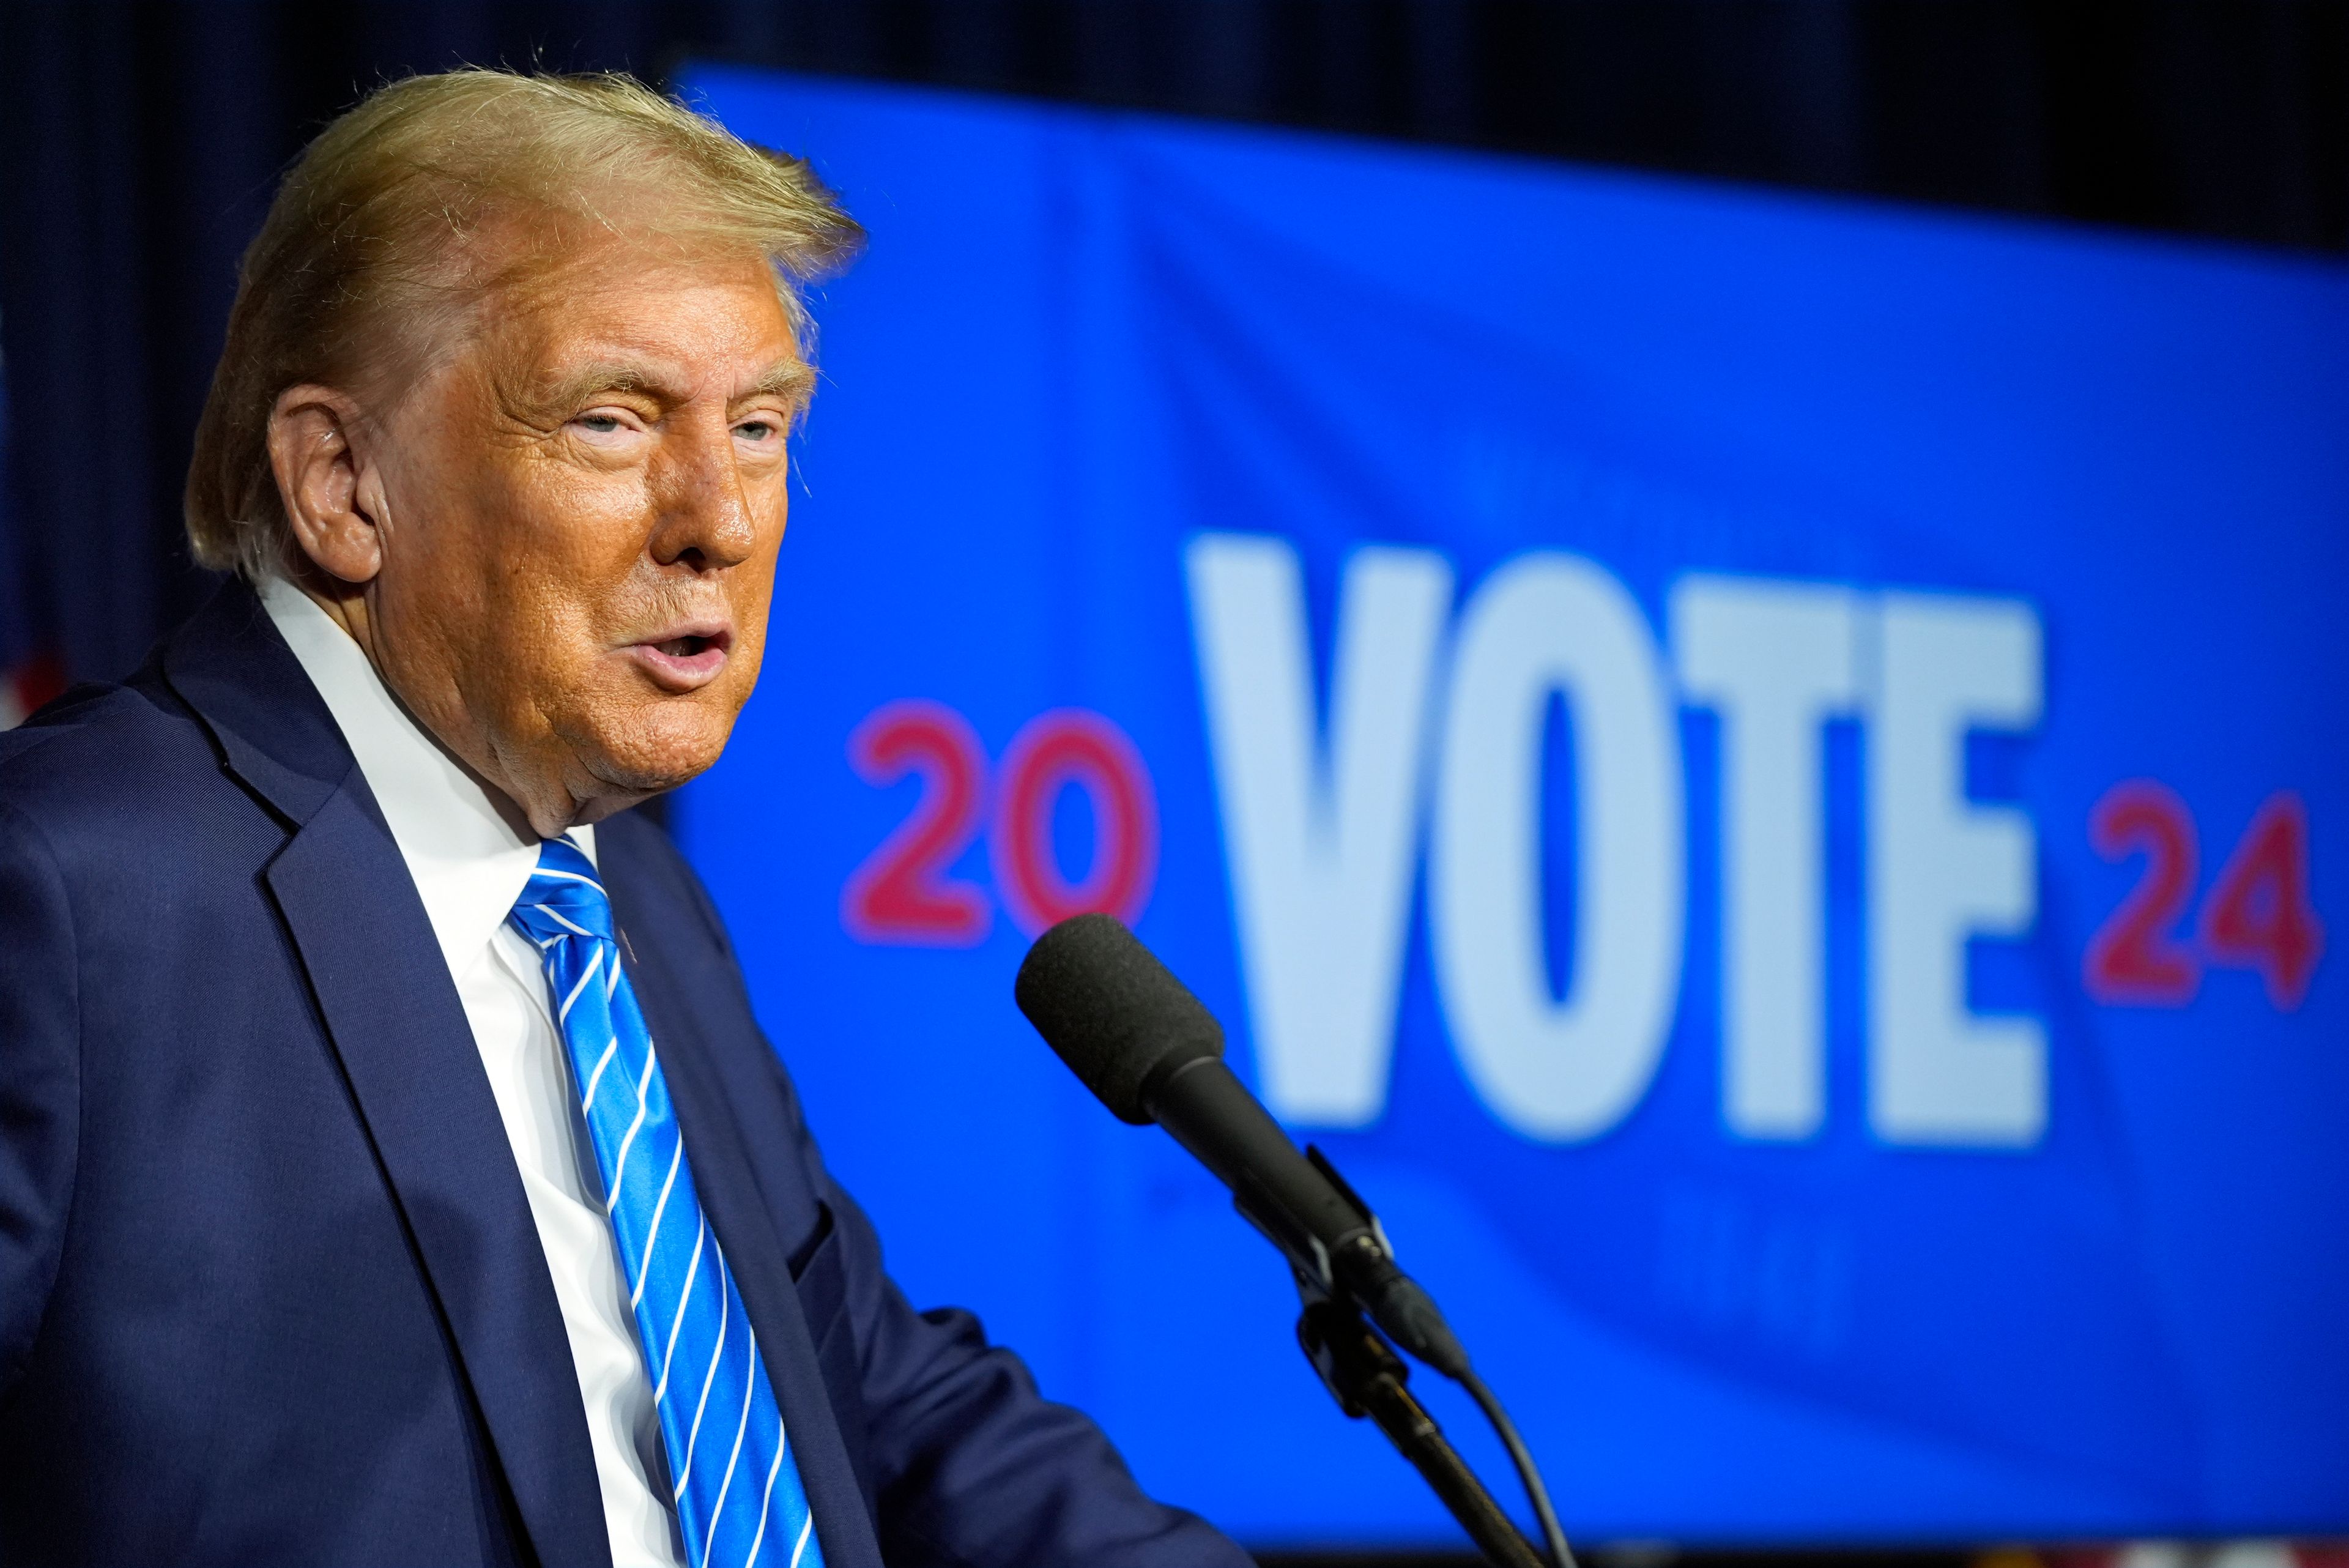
pixel 1762 773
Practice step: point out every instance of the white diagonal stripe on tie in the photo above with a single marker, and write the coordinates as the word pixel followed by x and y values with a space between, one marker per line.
pixel 708 1378
pixel 765 1497
pixel 596 1076
pixel 692 1272
pixel 620 1160
pixel 576 931
pixel 718 1509
pixel 645 1269
pixel 595 963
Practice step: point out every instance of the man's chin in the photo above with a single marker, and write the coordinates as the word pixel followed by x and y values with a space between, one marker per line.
pixel 672 749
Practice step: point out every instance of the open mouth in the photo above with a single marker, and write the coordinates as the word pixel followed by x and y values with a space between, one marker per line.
pixel 690 659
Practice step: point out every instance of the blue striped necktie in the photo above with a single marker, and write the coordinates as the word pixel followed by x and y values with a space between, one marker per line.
pixel 737 1491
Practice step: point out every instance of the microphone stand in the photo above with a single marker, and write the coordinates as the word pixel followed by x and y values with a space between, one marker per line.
pixel 1366 1377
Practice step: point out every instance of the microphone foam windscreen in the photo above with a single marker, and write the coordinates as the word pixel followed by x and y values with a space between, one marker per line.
pixel 1116 1015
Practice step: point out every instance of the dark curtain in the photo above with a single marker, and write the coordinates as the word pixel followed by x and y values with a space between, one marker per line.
pixel 145 139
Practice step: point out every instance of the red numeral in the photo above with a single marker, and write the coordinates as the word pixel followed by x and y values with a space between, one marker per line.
pixel 902 893
pixel 1054 752
pixel 2259 915
pixel 2132 961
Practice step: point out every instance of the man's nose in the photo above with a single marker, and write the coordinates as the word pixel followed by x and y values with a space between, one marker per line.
pixel 703 516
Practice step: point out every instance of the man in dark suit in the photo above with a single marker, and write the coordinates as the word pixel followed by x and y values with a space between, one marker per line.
pixel 390 1167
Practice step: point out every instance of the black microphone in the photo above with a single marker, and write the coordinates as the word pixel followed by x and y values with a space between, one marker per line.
pixel 1150 1050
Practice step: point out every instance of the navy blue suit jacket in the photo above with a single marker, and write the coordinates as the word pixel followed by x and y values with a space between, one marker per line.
pixel 269 1286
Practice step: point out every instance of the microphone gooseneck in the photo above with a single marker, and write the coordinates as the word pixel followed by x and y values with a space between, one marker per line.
pixel 1151 1052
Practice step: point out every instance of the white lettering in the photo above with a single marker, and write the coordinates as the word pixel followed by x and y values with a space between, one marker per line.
pixel 1323 842
pixel 1777 660
pixel 1941 870
pixel 1559 1070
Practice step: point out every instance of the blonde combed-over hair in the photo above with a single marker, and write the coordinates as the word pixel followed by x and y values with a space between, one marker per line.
pixel 367 259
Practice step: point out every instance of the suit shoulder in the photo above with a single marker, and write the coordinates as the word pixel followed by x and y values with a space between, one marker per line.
pixel 106 758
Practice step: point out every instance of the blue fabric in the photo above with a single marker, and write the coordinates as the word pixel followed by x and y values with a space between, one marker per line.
pixel 737 1492
pixel 270 1291
pixel 1331 349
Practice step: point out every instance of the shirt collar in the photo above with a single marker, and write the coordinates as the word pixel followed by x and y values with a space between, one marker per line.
pixel 468 863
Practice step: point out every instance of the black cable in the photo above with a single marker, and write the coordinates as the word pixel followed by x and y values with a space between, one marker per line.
pixel 1560 1554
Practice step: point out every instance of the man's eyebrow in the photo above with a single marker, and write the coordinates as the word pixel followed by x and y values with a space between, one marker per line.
pixel 608 376
pixel 792 379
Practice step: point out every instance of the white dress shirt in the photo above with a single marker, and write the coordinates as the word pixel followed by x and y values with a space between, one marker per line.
pixel 469 864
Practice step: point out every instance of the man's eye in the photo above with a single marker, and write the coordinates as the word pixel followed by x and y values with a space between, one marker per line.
pixel 602 424
pixel 757 429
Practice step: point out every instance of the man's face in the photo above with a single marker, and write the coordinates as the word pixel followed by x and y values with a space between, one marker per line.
pixel 581 515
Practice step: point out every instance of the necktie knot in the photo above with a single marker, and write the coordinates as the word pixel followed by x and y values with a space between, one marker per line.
pixel 563 897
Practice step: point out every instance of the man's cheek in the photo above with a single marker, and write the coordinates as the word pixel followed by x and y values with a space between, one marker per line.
pixel 605 513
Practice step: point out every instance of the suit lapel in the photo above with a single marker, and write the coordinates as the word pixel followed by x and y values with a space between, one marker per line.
pixel 409 1054
pixel 406 1051
pixel 729 1197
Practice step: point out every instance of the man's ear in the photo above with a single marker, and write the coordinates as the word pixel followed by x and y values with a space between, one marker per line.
pixel 314 447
